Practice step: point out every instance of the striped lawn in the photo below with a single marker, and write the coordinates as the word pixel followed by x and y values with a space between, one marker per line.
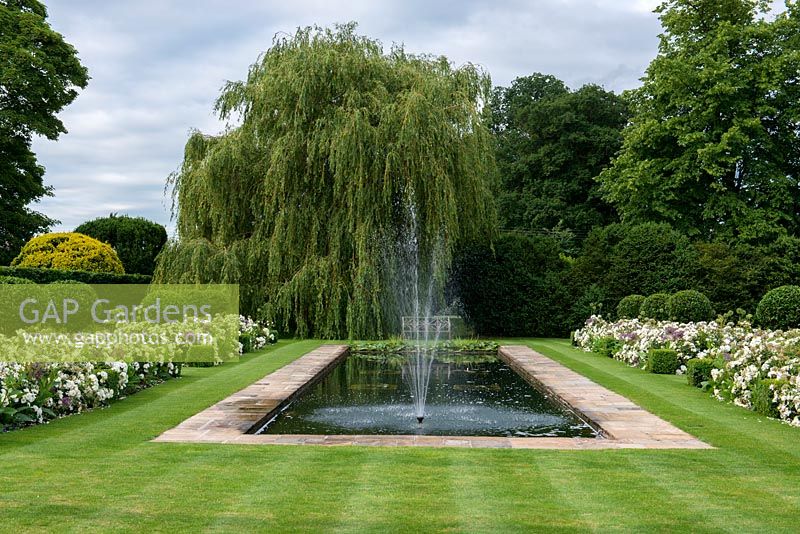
pixel 98 472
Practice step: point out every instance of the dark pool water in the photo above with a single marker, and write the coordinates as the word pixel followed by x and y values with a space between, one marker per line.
pixel 467 396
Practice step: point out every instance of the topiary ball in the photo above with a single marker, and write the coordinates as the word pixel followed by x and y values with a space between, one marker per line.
pixel 655 307
pixel 780 308
pixel 690 306
pixel 628 307
pixel 69 251
pixel 136 241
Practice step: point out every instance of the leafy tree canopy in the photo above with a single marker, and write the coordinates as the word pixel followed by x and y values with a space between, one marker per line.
pixel 39 75
pixel 341 150
pixel 551 144
pixel 713 146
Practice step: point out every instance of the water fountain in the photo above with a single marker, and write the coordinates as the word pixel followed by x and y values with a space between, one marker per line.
pixel 418 372
pixel 415 285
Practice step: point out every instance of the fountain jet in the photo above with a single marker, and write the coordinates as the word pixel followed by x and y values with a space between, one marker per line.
pixel 416 287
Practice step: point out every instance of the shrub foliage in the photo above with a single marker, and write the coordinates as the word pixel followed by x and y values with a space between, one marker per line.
pixel 762 395
pixel 69 251
pixel 14 280
pixel 514 289
pixel 698 371
pixel 656 306
pixel 630 306
pixel 622 259
pixel 46 276
pixel 662 361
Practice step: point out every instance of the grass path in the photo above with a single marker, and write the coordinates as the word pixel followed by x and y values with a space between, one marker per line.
pixel 99 472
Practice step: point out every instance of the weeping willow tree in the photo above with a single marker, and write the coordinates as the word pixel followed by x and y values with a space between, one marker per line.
pixel 334 150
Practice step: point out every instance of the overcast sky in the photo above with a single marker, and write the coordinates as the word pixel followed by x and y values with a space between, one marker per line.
pixel 158 65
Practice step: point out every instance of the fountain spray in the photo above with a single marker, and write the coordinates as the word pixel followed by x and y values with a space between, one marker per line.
pixel 417 285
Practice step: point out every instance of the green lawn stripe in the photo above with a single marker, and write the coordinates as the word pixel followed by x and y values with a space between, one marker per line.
pixel 605 487
pixel 503 491
pixel 388 489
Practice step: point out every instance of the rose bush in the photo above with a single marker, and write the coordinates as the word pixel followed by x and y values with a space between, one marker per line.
pixel 743 358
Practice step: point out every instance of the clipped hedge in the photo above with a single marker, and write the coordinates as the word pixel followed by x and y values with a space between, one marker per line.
pixel 698 370
pixel 689 306
pixel 628 307
pixel 737 274
pixel 662 361
pixel 69 251
pixel 651 258
pixel 513 289
pixel 136 240
pixel 47 276
pixel 656 306
pixel 761 395
pixel 780 308
pixel 624 259
pixel 606 346
pixel 14 280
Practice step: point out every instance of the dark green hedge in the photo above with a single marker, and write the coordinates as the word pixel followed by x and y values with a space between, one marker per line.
pixel 46 276
pixel 638 259
pixel 736 275
pixel 698 370
pixel 624 259
pixel 513 290
pixel 616 261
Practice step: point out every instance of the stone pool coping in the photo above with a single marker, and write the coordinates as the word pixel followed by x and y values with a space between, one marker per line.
pixel 622 424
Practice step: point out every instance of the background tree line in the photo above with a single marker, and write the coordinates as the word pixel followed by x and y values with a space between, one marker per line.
pixel 688 182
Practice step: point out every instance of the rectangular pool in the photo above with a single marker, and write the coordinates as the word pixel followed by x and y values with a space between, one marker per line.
pixel 467 396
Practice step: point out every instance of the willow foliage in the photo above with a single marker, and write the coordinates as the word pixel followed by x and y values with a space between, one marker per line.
pixel 339 150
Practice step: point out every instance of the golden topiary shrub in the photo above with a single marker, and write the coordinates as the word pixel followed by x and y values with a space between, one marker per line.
pixel 69 251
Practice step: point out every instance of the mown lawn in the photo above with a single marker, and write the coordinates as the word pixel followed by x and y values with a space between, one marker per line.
pixel 99 472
